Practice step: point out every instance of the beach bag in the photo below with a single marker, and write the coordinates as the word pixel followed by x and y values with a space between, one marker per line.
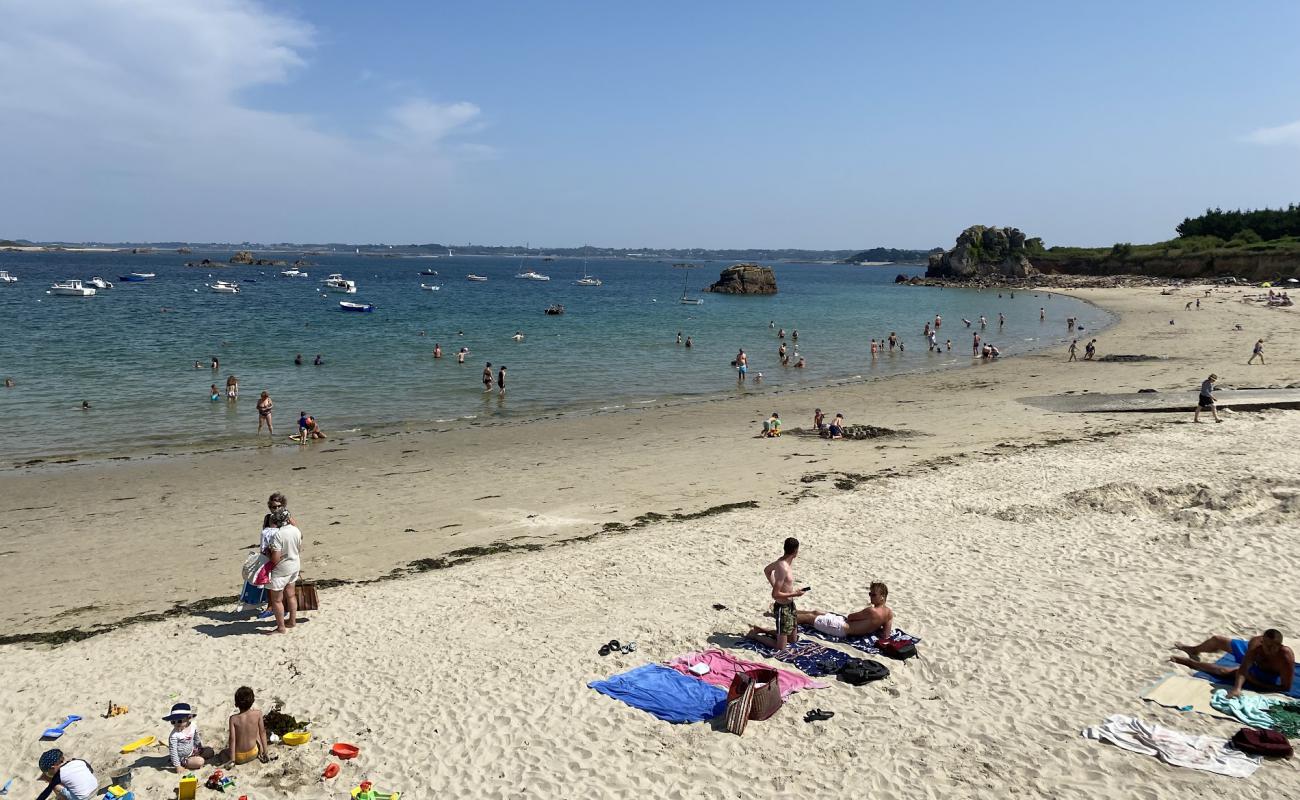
pixel 897 649
pixel 307 600
pixel 861 670
pixel 740 703
pixel 1262 743
pixel 767 693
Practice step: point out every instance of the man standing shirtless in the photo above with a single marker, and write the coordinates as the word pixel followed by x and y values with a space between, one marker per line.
pixel 1264 665
pixel 780 575
pixel 876 619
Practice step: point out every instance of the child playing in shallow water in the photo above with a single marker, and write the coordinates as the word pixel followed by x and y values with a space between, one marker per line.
pixel 247 734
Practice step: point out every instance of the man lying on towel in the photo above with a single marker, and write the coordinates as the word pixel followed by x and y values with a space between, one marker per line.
pixel 1264 664
pixel 874 620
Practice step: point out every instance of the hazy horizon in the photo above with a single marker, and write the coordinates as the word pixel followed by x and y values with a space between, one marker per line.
pixel 844 127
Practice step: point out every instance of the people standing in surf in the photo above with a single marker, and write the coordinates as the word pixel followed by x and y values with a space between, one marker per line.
pixel 742 366
pixel 487 378
pixel 688 342
pixel 679 337
pixel 975 343
pixel 232 388
pixel 264 406
pixel 893 341
pixel 437 350
pixel 501 380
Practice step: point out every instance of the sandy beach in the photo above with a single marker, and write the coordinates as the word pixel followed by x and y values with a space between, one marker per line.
pixel 1047 560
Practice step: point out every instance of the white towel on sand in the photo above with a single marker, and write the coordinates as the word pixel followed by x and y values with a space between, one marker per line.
pixel 1173 747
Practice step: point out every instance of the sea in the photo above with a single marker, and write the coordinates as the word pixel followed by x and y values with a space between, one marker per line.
pixel 131 351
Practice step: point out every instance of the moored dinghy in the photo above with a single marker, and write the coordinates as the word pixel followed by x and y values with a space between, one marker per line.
pixel 356 307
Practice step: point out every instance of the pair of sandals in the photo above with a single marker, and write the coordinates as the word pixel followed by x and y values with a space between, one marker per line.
pixel 615 647
pixel 817 715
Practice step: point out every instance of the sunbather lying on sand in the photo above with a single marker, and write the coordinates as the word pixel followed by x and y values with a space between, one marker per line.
pixel 1265 665
pixel 876 619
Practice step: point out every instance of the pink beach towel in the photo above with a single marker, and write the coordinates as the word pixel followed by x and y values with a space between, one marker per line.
pixel 724 666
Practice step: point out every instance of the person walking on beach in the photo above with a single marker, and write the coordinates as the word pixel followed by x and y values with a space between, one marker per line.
pixel 487 378
pixel 264 406
pixel 232 388
pixel 1074 351
pixel 780 576
pixel 285 564
pixel 501 380
pixel 1206 399
pixel 1258 353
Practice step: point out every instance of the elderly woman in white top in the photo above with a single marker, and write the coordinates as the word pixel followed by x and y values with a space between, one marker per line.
pixel 284 563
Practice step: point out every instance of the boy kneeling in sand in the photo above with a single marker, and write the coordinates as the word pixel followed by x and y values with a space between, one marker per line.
pixel 247 739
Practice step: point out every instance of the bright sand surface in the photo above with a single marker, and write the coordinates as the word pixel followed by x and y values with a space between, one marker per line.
pixel 1046 563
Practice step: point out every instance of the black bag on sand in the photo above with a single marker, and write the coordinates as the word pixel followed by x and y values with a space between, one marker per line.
pixel 861 670
pixel 898 649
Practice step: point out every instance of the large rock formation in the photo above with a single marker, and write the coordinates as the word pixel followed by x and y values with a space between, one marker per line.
pixel 745 279
pixel 242 257
pixel 983 253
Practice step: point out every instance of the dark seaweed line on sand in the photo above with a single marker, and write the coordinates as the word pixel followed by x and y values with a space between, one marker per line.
pixel 451 559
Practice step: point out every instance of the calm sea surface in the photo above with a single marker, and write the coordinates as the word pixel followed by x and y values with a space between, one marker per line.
pixel 134 361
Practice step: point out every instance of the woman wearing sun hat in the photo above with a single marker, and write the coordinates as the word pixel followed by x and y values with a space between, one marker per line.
pixel 183 745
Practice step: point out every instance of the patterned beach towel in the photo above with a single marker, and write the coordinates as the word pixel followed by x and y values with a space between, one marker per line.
pixel 867 644
pixel 809 657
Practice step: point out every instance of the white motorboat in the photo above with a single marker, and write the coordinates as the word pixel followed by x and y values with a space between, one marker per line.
pixel 223 287
pixel 479 278
pixel 337 283
pixel 292 272
pixel 533 276
pixel 428 287
pixel 588 280
pixel 6 278
pixel 99 283
pixel 72 288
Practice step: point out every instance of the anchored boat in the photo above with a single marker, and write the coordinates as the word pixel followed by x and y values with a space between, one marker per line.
pixel 72 288
pixel 338 284
pixel 223 287
pixel 363 308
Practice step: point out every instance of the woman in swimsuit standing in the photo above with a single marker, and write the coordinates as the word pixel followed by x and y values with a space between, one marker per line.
pixel 264 406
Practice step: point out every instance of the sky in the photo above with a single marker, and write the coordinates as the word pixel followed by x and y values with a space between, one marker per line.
pixel 831 125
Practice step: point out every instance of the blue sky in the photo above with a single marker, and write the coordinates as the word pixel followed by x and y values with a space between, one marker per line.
pixel 828 125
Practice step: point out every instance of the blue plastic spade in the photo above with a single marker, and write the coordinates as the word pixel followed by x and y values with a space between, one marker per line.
pixel 57 731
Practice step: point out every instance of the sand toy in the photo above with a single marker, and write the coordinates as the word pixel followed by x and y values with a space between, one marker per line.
pixel 366 791
pixel 139 743
pixel 57 730
pixel 345 751
pixel 295 738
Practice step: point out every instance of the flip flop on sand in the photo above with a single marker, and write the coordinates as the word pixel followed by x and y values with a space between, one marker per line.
pixel 604 649
pixel 817 715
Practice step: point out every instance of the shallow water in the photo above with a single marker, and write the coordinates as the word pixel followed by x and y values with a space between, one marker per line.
pixel 615 346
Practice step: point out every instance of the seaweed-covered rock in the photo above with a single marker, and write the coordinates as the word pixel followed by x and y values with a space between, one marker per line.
pixel 242 257
pixel 983 252
pixel 745 279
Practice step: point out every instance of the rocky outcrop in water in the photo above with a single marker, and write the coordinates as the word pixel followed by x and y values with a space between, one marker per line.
pixel 983 253
pixel 745 279
pixel 242 257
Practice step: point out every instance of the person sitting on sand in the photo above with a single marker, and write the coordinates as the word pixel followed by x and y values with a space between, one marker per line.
pixel 772 425
pixel 876 619
pixel 819 421
pixel 1264 664
pixel 780 575
pixel 307 427
pixel 836 429
pixel 247 733
pixel 184 747
pixel 71 779
pixel 1090 350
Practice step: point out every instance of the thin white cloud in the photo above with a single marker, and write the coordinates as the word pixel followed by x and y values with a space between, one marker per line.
pixel 1281 134
pixel 126 119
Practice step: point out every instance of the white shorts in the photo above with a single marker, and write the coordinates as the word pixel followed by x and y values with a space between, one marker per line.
pixel 831 625
pixel 277 581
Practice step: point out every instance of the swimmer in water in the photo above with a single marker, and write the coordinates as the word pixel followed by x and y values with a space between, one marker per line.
pixel 518 337
pixel 437 350
pixel 297 360
pixel 688 341
pixel 85 405
pixel 318 360
pixel 679 337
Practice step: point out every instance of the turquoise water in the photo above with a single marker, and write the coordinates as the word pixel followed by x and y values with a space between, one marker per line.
pixel 613 348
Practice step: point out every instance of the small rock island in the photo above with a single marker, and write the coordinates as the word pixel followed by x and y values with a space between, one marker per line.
pixel 745 279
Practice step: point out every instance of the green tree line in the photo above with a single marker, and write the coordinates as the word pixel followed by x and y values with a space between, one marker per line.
pixel 1264 224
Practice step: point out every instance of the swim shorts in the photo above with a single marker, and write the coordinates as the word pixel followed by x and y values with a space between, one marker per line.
pixel 785 618
pixel 1205 401
pixel 832 625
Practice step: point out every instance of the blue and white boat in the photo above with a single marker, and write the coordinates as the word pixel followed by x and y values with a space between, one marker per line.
pixel 357 307
pixel 136 277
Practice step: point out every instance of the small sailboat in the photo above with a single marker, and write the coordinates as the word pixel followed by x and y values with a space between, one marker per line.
pixel 363 308
pixel 478 278
pixel 6 278
pixel 72 288
pixel 587 280
pixel 338 284
pixel 685 300
pixel 223 287
pixel 99 283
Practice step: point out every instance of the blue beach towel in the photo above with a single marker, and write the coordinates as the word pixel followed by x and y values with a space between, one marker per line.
pixel 867 644
pixel 1233 659
pixel 808 657
pixel 665 693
